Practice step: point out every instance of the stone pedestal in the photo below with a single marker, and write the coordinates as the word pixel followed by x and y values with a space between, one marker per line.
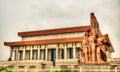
pixel 95 68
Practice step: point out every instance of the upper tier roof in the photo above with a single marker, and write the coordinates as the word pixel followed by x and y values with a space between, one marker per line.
pixel 43 41
pixel 52 31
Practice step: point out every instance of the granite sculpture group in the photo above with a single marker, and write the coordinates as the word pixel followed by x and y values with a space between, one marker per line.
pixel 94 45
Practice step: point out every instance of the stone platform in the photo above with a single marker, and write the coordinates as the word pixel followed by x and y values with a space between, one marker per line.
pixel 97 68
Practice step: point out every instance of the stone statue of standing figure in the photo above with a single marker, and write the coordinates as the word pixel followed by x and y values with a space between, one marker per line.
pixel 84 49
pixel 101 48
pixel 94 45
pixel 93 49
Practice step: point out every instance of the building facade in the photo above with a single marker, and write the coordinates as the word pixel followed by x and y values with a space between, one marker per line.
pixel 46 48
pixel 54 47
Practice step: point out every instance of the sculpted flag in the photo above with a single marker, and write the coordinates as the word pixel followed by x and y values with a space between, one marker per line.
pixel 94 23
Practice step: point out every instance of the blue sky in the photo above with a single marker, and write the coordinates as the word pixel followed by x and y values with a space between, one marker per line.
pixel 27 15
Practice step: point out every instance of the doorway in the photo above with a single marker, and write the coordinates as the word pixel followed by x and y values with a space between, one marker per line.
pixel 53 56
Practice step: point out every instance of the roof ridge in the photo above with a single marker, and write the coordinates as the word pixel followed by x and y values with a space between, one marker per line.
pixel 56 30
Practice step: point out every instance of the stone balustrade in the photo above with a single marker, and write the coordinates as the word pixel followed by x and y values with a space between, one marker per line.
pixel 26 63
pixel 66 61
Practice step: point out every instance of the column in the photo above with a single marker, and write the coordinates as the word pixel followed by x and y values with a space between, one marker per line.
pixel 11 52
pixel 38 52
pixel 16 53
pixel 46 52
pixel 57 53
pixel 60 53
pixel 74 51
pixel 31 50
pixel 50 55
pixel 23 52
pixel 65 51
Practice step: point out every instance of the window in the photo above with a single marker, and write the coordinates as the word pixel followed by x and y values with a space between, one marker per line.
pixel 42 54
pixel 71 53
pixel 35 55
pixel 20 55
pixel 53 54
pixel 62 54
pixel 27 56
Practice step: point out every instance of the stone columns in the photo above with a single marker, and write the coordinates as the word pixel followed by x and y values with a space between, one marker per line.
pixel 31 51
pixel 23 52
pixel 17 53
pixel 38 52
pixel 65 51
pixel 49 55
pixel 57 53
pixel 68 53
pixel 74 51
pixel 60 53
pixel 11 52
pixel 46 52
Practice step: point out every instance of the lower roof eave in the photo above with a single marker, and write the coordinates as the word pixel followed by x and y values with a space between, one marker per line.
pixel 60 40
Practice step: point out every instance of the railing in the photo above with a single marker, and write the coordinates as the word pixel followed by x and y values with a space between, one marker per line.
pixel 54 69
pixel 66 61
pixel 65 70
pixel 24 62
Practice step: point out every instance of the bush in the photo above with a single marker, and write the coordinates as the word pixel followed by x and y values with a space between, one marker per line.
pixel 9 59
pixel 5 69
pixel 65 70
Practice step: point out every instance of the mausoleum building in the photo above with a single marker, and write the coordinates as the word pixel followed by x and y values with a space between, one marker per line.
pixel 51 47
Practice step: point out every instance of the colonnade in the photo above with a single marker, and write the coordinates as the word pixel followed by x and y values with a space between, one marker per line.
pixel 40 53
